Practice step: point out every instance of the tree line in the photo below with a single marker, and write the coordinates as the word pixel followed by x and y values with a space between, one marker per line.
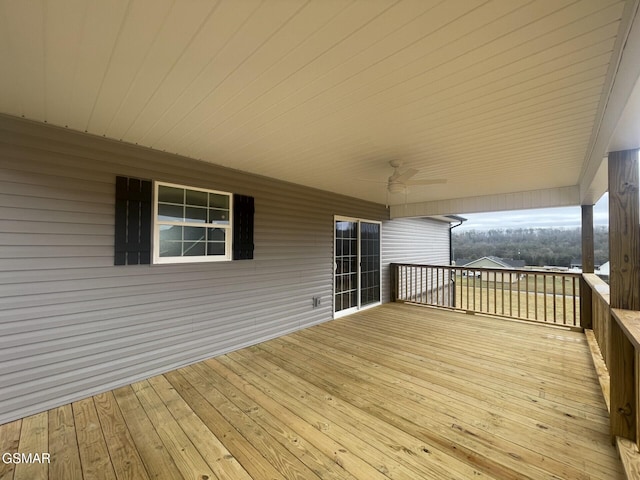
pixel 536 246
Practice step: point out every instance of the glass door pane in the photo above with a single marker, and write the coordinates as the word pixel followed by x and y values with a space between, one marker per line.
pixel 346 268
pixel 369 263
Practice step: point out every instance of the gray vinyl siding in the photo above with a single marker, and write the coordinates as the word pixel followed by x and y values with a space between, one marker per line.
pixel 413 240
pixel 72 324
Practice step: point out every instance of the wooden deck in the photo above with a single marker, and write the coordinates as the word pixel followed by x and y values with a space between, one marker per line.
pixel 398 391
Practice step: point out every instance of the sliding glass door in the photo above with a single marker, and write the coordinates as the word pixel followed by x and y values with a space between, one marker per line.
pixel 369 263
pixel 357 264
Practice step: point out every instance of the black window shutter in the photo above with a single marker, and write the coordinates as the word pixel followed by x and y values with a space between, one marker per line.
pixel 133 221
pixel 243 210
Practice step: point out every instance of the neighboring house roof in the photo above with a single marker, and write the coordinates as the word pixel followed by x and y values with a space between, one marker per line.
pixel 604 269
pixel 499 262
pixel 514 263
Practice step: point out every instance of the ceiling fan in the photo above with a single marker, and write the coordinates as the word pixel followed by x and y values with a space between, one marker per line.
pixel 400 180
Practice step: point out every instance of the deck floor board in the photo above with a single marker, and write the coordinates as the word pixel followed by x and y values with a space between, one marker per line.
pixel 393 392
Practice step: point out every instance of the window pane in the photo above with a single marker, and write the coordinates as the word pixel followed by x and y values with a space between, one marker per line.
pixel 195 214
pixel 219 201
pixel 215 234
pixel 170 213
pixel 215 248
pixel 170 194
pixel 172 232
pixel 170 249
pixel 343 266
pixel 195 197
pixel 193 249
pixel 170 241
pixel 218 216
pixel 194 233
pixel 353 300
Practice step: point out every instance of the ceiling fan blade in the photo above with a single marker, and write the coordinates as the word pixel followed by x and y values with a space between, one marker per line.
pixel 371 180
pixel 434 181
pixel 404 176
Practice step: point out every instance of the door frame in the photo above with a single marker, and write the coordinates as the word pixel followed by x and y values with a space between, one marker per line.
pixel 359 306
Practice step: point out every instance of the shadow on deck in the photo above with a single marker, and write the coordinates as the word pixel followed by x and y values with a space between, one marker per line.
pixel 398 391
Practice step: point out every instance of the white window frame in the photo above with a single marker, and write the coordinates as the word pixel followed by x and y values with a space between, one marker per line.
pixel 228 227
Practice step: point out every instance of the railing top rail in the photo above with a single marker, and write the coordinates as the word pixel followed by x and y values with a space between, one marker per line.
pixel 489 269
pixel 629 321
pixel 597 285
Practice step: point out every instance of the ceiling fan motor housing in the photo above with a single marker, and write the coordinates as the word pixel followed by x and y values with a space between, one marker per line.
pixel 396 187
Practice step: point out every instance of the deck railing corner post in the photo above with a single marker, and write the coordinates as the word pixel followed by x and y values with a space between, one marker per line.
pixel 586 305
pixel 393 277
pixel 622 384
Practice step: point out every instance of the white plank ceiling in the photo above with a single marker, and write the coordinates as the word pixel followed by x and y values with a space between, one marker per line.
pixel 497 97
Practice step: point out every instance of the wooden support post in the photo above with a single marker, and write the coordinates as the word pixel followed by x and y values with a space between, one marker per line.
pixel 393 277
pixel 586 298
pixel 587 239
pixel 624 240
pixel 624 254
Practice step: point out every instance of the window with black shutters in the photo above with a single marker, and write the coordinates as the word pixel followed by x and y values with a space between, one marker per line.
pixel 186 224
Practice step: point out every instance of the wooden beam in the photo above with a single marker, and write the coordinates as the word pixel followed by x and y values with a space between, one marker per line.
pixel 624 257
pixel 548 197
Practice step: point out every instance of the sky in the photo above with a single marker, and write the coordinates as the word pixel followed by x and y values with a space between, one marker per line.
pixel 560 217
